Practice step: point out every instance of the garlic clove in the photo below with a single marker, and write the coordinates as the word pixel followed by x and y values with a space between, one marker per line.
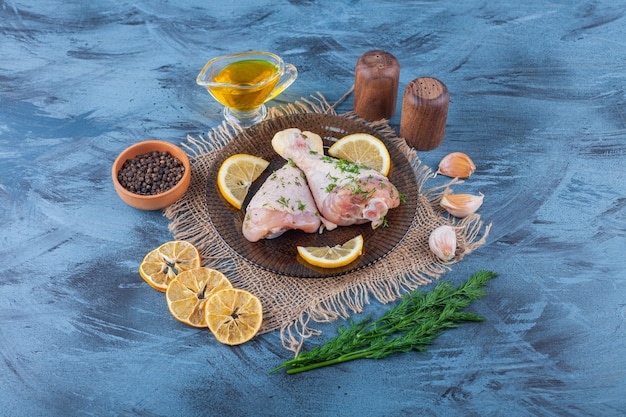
pixel 456 165
pixel 442 242
pixel 461 205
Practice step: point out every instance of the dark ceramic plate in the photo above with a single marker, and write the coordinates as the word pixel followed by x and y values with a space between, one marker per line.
pixel 280 255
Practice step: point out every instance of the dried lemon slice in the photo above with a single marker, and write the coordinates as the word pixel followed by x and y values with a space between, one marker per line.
pixel 364 149
pixel 236 174
pixel 162 264
pixel 333 257
pixel 233 315
pixel 188 293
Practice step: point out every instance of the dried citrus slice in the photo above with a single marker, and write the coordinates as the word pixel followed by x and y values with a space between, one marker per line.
pixel 236 174
pixel 162 264
pixel 333 257
pixel 233 315
pixel 187 294
pixel 364 149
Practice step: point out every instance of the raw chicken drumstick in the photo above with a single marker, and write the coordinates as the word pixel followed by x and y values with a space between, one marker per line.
pixel 345 193
pixel 282 203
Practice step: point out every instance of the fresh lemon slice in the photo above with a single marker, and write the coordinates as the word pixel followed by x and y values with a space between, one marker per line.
pixel 188 293
pixel 233 315
pixel 364 149
pixel 236 174
pixel 333 257
pixel 162 264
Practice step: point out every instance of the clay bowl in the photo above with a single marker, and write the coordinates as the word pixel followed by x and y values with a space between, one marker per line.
pixel 157 201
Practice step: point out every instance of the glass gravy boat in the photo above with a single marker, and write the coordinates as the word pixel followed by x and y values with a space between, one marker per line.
pixel 244 82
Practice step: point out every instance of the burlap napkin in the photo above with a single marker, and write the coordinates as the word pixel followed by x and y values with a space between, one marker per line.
pixel 292 305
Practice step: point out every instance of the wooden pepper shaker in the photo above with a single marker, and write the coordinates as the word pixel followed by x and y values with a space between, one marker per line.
pixel 424 113
pixel 376 85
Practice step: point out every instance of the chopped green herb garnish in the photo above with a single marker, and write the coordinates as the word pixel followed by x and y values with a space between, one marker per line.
pixel 347 166
pixel 283 202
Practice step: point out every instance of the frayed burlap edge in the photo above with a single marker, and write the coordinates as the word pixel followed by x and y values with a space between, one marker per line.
pixel 293 305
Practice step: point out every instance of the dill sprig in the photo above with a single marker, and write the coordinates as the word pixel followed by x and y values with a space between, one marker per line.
pixel 412 324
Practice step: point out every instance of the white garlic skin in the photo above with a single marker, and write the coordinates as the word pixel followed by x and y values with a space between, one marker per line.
pixel 461 205
pixel 442 242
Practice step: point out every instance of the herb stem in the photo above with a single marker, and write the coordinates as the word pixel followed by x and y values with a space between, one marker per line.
pixel 343 358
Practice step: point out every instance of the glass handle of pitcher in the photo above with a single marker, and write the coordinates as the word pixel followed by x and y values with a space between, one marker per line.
pixel 287 78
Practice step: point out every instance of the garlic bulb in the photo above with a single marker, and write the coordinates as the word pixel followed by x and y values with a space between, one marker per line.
pixel 442 242
pixel 456 165
pixel 461 205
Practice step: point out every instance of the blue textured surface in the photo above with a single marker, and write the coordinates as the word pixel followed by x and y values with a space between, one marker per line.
pixel 537 99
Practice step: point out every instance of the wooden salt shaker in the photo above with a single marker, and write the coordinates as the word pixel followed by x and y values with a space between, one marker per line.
pixel 376 85
pixel 424 113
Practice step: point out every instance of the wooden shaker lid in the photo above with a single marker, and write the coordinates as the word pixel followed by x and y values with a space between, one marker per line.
pixel 376 85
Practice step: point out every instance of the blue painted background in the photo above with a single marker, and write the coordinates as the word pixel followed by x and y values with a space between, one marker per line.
pixel 538 99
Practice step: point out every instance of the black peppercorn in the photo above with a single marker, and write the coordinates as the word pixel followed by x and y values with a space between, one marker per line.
pixel 151 173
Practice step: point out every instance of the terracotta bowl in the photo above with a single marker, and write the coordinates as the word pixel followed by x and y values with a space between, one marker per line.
pixel 157 201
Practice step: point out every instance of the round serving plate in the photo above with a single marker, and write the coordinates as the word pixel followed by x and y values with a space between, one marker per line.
pixel 280 255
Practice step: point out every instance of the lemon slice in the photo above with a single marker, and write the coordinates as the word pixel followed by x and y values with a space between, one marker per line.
pixel 364 149
pixel 236 174
pixel 188 293
pixel 233 315
pixel 162 264
pixel 333 257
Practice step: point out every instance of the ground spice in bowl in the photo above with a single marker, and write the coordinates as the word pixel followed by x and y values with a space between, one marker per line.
pixel 151 173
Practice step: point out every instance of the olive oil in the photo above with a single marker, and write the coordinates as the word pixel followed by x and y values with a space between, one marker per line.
pixel 246 84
